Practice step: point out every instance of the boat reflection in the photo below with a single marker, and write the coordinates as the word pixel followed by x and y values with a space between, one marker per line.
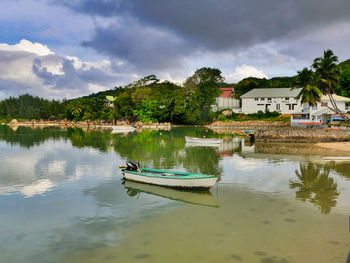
pixel 202 197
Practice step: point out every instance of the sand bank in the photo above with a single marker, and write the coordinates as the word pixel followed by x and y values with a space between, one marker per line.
pixel 339 146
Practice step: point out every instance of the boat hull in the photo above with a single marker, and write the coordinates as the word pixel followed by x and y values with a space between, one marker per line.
pixel 122 129
pixel 170 181
pixel 203 140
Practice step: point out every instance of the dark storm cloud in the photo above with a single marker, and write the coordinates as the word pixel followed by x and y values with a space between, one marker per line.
pixel 189 26
pixel 146 46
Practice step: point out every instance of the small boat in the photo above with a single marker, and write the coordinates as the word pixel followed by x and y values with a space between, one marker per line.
pixel 133 172
pixel 203 140
pixel 244 133
pixel 122 129
pixel 204 197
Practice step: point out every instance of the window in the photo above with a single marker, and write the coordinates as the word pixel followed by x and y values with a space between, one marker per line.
pixel 268 98
pixel 314 107
pixel 286 98
pixel 262 98
pixel 256 99
pixel 278 107
pixel 291 106
pixel 324 104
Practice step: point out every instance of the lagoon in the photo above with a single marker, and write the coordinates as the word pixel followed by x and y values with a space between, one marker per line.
pixel 62 200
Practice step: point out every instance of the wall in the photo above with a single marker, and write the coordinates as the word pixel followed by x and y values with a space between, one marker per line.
pixel 227 103
pixel 251 105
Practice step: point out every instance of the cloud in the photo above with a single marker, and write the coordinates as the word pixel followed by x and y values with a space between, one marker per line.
pixel 113 42
pixel 244 71
pixel 167 36
pixel 142 46
pixel 34 68
pixel 232 23
pixel 25 45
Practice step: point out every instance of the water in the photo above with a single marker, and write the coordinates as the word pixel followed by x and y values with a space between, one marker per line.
pixel 62 200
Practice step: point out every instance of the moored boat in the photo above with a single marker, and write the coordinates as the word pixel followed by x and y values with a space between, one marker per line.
pixel 133 172
pixel 122 129
pixel 203 140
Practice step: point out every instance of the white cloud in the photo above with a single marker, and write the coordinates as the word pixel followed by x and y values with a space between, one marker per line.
pixel 33 68
pixel 244 71
pixel 25 45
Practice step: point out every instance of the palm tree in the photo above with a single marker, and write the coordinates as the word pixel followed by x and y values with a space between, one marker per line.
pixel 328 77
pixel 76 111
pixel 309 93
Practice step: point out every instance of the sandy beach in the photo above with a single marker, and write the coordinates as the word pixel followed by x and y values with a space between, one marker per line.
pixel 339 146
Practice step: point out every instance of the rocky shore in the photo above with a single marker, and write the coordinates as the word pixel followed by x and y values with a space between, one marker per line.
pixel 88 124
pixel 267 131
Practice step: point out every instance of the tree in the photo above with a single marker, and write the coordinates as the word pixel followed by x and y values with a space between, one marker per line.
pixel 328 77
pixel 202 88
pixel 309 93
pixel 344 83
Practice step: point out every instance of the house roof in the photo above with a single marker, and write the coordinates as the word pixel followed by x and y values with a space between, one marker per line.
pixel 336 98
pixel 226 92
pixel 272 93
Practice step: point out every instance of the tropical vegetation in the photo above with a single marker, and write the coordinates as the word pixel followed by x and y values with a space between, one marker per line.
pixel 150 99
pixel 323 79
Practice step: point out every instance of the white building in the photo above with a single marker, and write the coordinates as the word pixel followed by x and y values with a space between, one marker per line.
pixel 282 100
pixel 320 114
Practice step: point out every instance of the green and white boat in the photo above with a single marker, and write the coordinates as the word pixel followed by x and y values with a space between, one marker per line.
pixel 133 172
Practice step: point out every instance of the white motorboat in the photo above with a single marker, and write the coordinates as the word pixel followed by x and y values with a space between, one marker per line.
pixel 203 141
pixel 122 129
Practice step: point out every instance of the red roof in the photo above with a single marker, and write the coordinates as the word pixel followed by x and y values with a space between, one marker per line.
pixel 226 92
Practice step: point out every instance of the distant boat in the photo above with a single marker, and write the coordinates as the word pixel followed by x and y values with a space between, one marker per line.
pixel 244 133
pixel 205 197
pixel 209 141
pixel 133 172
pixel 122 129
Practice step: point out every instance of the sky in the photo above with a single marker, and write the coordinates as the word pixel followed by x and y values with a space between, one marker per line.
pixel 69 48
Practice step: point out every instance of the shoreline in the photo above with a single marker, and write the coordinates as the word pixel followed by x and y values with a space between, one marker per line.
pixel 264 131
pixel 336 146
pixel 87 124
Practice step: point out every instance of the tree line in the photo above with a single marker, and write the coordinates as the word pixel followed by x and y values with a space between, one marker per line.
pixel 149 99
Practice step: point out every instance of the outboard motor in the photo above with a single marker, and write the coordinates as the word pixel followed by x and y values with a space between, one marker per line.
pixel 132 166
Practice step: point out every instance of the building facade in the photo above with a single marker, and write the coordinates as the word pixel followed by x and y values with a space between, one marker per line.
pixel 320 114
pixel 226 100
pixel 282 100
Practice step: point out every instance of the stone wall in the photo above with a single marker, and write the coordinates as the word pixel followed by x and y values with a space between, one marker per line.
pixel 301 135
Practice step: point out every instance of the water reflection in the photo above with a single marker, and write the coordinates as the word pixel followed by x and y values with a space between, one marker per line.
pixel 204 197
pixel 75 203
pixel 315 185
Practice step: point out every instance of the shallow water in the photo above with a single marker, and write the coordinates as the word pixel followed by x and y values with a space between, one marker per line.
pixel 62 200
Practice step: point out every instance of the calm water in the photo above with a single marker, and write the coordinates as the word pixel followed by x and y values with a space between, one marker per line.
pixel 62 200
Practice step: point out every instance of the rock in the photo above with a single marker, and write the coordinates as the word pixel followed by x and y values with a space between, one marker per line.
pixel 227 112
pixel 14 122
